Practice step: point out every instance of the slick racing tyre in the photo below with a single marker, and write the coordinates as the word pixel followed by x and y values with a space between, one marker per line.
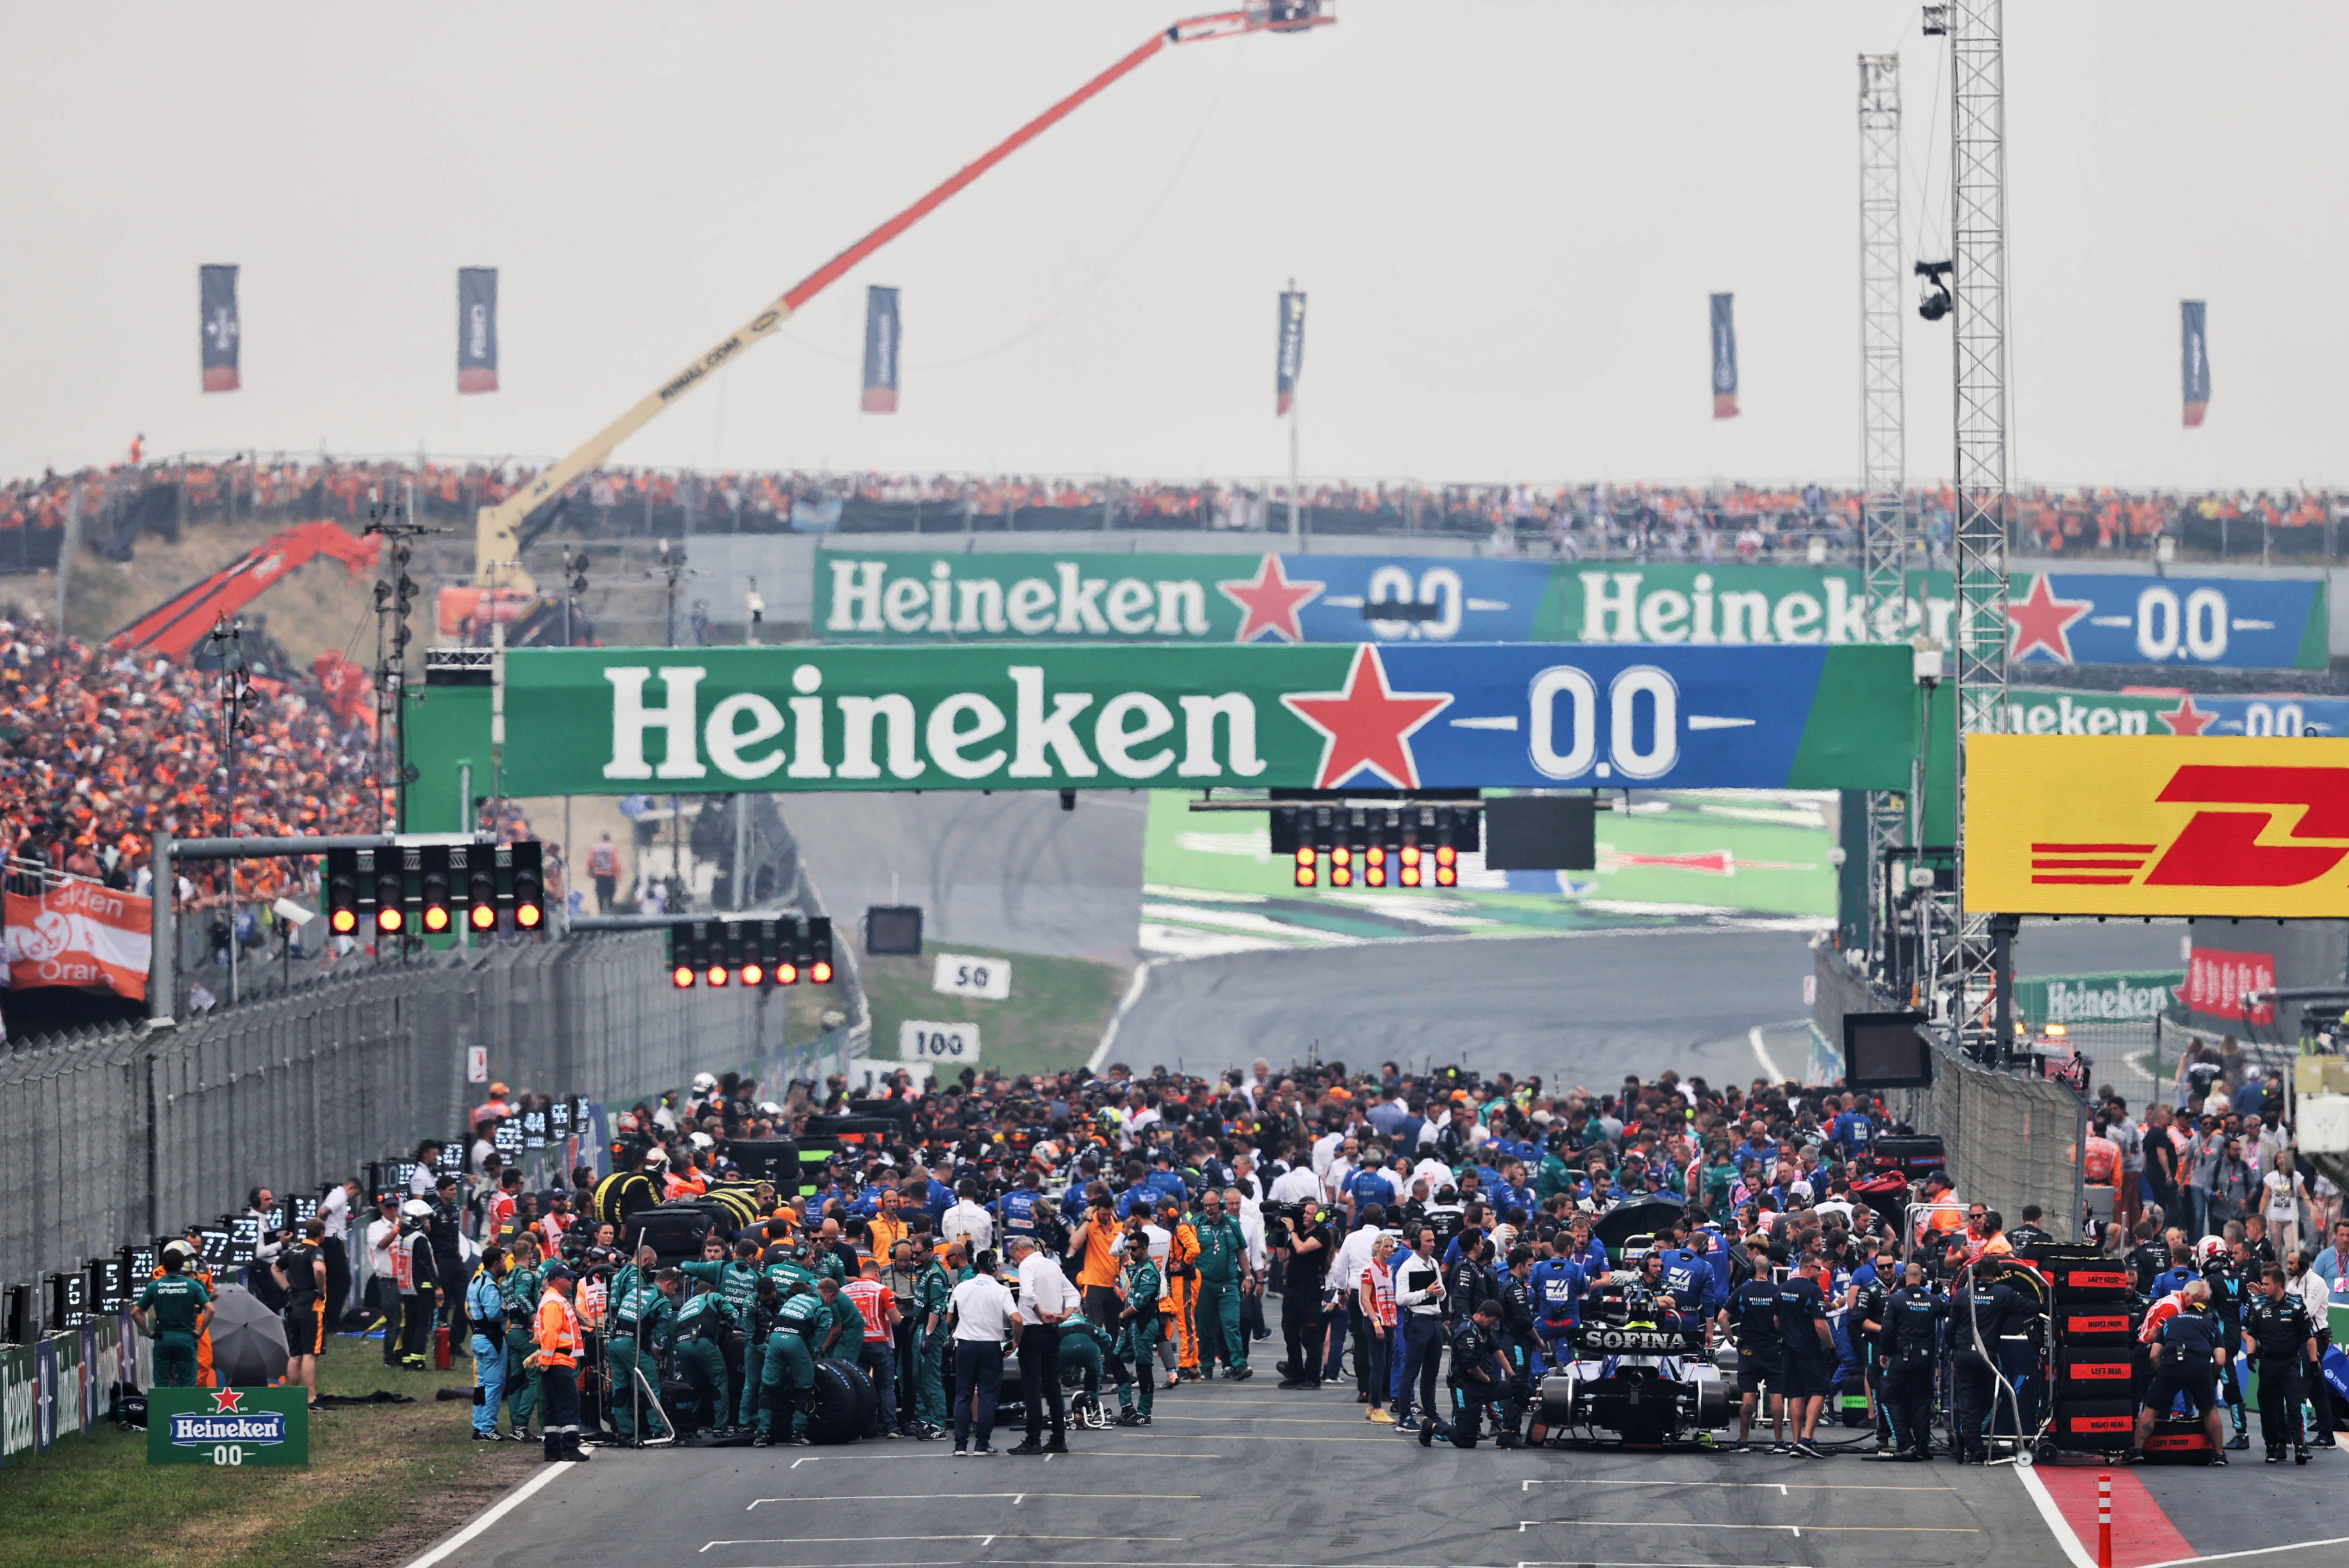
pixel 840 1395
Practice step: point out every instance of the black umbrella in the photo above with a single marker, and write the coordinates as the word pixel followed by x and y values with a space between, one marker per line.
pixel 248 1340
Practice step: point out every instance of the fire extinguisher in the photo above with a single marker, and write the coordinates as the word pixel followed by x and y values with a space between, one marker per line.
pixel 440 1347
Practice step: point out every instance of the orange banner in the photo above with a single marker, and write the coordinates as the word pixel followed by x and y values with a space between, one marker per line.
pixel 80 934
pixel 2157 825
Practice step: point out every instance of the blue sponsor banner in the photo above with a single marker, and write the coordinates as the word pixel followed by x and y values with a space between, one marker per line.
pixel 1581 716
pixel 1438 600
pixel 2091 618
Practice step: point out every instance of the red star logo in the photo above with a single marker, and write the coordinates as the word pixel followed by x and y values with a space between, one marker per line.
pixel 224 1401
pixel 2186 719
pixel 1271 602
pixel 1367 725
pixel 2043 621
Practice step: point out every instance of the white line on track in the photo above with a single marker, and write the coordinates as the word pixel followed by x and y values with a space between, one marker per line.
pixel 1017 1497
pixel 1761 1054
pixel 519 1494
pixel 2254 1552
pixel 1781 1488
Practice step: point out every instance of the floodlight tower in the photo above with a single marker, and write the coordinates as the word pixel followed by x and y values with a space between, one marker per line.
pixel 1884 512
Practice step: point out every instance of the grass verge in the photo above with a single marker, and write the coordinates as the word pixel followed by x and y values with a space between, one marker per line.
pixel 383 1483
pixel 1051 1020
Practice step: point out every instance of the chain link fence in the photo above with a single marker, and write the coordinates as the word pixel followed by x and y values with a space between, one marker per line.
pixel 126 1135
pixel 2009 1139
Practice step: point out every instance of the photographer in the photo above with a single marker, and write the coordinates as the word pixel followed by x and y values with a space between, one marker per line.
pixel 1302 1248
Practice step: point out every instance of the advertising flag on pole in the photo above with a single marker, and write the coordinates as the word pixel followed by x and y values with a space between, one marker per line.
pixel 477 329
pixel 1725 359
pixel 1292 361
pixel 880 350
pixel 2196 354
pixel 221 331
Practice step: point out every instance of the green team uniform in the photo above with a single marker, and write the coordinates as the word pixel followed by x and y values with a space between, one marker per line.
pixel 643 1312
pixel 736 1285
pixel 1223 1257
pixel 1080 1351
pixel 932 1295
pixel 700 1324
pixel 522 1289
pixel 788 1354
pixel 173 1303
pixel 1137 1342
pixel 851 1343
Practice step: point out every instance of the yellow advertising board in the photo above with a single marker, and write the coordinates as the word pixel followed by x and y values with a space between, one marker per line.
pixel 2156 824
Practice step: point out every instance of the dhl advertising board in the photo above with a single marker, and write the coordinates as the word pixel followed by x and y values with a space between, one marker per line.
pixel 2157 825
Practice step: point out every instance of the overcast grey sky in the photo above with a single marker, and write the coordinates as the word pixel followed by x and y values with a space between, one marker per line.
pixel 1508 214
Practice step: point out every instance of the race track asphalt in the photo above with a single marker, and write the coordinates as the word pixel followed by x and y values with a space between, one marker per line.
pixel 1009 871
pixel 1575 1010
pixel 1246 1476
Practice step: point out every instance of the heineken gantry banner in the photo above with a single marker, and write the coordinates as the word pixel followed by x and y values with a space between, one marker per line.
pixel 1012 596
pixel 2064 617
pixel 1528 715
pixel 2037 711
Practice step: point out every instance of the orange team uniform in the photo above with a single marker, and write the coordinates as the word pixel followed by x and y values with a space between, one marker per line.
pixel 884 1234
pixel 558 1331
pixel 1182 1296
pixel 1099 1267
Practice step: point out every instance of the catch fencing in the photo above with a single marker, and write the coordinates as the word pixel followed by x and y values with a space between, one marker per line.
pixel 124 1135
pixel 2009 1139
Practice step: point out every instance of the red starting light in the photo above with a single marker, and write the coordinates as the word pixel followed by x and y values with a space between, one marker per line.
pixel 1410 853
pixel 1306 872
pixel 387 918
pixel 344 922
pixel 1410 876
pixel 1305 856
pixel 1376 876
pixel 483 916
pixel 682 977
pixel 1341 876
pixel 436 919
pixel 787 975
pixel 1341 855
pixel 752 974
pixel 819 972
pixel 1445 875
pixel 526 915
pixel 1445 855
pixel 718 974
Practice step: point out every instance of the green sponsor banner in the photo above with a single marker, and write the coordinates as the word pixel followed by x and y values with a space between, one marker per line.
pixel 1682 603
pixel 228 1429
pixel 2068 999
pixel 1476 715
pixel 920 597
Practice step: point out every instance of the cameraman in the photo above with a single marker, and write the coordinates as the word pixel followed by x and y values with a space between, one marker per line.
pixel 1301 1250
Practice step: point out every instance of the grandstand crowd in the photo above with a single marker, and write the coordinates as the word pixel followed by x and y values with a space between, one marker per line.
pixel 1710 522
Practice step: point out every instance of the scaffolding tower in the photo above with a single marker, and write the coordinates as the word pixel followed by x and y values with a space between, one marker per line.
pixel 1884 519
pixel 1977 286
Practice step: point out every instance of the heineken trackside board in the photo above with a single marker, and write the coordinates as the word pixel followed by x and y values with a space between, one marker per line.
pixel 1410 716
pixel 2036 710
pixel 2060 618
pixel 228 1429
